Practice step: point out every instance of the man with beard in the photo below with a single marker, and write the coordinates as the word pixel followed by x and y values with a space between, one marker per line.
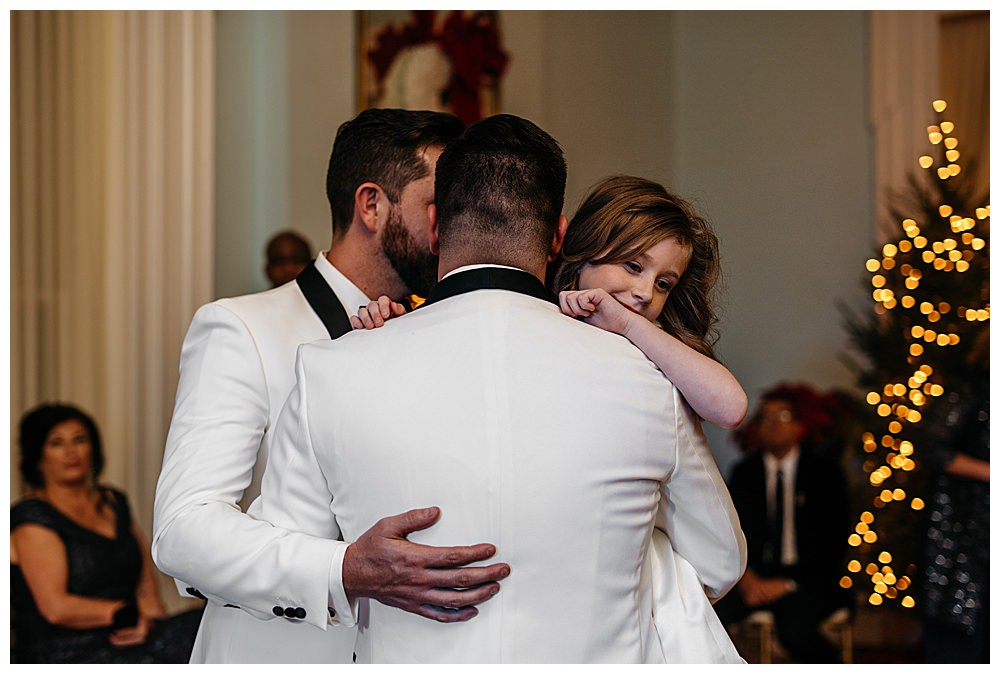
pixel 237 367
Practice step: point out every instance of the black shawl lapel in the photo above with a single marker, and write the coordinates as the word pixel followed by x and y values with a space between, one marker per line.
pixel 483 278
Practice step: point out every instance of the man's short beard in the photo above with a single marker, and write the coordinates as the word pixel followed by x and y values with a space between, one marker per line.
pixel 416 266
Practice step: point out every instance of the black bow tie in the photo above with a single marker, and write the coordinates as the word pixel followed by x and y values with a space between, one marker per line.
pixel 485 278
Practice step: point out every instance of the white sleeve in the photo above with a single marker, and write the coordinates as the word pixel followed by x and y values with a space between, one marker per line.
pixel 200 535
pixel 697 512
pixel 295 493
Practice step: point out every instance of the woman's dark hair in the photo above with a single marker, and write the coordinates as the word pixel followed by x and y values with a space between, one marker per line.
pixel 37 423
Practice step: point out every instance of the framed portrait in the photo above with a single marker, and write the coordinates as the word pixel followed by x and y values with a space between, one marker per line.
pixel 450 61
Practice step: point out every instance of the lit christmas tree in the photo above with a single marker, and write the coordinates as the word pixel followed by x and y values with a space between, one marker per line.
pixel 931 292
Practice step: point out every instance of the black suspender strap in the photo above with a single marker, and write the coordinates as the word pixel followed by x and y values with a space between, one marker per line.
pixel 323 301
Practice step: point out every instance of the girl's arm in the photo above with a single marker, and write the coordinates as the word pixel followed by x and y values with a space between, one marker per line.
pixel 711 389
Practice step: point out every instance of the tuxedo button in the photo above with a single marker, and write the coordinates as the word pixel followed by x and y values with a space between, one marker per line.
pixel 289 612
pixel 300 613
pixel 277 611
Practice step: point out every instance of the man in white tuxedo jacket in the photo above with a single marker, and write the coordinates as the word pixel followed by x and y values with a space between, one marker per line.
pixel 555 440
pixel 236 371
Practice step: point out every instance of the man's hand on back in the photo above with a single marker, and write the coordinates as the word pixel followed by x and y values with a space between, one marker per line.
pixel 431 582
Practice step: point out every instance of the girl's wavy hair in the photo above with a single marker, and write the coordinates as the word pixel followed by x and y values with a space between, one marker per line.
pixel 623 217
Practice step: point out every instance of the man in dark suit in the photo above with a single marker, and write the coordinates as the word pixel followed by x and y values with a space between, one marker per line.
pixel 794 512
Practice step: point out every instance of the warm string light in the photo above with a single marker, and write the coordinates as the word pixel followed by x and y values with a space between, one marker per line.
pixel 899 403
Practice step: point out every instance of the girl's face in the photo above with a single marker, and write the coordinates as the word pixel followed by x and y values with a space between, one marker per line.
pixel 643 284
pixel 66 455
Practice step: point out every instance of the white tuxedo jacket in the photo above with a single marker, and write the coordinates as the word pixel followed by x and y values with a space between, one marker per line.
pixel 237 366
pixel 552 439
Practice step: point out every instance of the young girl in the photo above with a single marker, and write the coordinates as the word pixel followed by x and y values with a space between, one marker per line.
pixel 638 262
pixel 633 242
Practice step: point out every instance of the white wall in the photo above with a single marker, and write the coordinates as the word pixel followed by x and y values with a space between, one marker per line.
pixel 759 118
pixel 773 144
pixel 285 83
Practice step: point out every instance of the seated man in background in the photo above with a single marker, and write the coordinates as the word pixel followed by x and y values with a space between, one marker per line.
pixel 287 255
pixel 794 511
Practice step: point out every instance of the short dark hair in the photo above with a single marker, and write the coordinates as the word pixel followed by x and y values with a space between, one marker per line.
pixel 37 423
pixel 782 396
pixel 382 146
pixel 504 177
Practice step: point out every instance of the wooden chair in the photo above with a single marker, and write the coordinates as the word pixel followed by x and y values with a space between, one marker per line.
pixel 758 629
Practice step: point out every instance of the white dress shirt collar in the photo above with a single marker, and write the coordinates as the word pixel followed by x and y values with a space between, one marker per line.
pixel 470 267
pixel 348 293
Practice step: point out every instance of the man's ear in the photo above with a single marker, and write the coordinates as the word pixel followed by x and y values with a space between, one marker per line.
pixel 367 200
pixel 557 238
pixel 432 221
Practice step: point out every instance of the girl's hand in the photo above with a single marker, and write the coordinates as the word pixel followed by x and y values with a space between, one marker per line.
pixel 596 307
pixel 376 313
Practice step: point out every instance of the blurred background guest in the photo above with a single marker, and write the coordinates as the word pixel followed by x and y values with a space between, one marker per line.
pixel 81 577
pixel 957 546
pixel 288 254
pixel 793 507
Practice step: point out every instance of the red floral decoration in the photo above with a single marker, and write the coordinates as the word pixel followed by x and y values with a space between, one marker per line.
pixel 470 42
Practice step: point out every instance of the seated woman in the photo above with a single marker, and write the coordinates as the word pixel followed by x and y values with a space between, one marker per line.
pixel 81 578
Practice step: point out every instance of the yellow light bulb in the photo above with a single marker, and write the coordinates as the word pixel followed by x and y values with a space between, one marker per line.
pixel 884 557
pixel 951 143
pixel 952 155
pixel 907 602
pixel 943 172
pixel 926 162
pixel 854 566
pixel 947 127
pixel 939 105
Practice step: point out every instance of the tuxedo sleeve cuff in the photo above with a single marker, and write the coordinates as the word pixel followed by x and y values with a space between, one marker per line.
pixel 342 612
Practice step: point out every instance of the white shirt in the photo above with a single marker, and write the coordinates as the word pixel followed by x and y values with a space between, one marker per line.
pixel 348 293
pixel 788 465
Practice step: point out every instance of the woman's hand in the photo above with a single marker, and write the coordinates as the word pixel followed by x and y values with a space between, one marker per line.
pixel 596 307
pixel 376 313
pixel 132 636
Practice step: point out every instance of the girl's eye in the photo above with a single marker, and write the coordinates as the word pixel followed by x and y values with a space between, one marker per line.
pixel 633 267
pixel 663 286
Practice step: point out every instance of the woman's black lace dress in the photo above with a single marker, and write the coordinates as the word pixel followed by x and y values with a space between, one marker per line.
pixel 99 567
